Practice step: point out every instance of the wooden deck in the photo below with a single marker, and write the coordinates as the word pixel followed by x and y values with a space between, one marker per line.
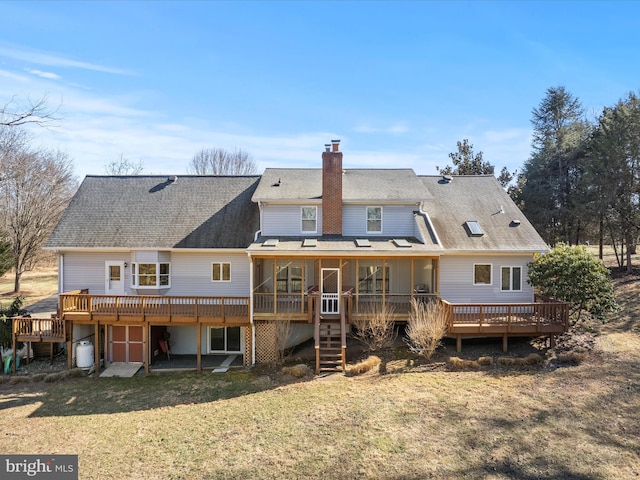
pixel 86 308
pixel 543 317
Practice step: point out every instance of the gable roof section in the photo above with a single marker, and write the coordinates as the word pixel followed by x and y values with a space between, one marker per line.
pixel 478 198
pixel 358 185
pixel 151 211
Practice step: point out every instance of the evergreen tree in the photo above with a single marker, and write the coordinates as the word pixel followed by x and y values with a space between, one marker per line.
pixel 551 180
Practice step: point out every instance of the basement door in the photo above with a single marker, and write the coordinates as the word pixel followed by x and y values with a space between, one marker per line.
pixel 125 343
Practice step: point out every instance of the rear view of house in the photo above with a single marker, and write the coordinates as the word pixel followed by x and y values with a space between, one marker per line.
pixel 214 263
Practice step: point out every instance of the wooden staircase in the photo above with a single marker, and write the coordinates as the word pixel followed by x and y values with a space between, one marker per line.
pixel 329 354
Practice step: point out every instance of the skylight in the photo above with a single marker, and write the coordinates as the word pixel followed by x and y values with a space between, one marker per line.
pixel 401 242
pixel 310 242
pixel 271 242
pixel 474 228
pixel 362 242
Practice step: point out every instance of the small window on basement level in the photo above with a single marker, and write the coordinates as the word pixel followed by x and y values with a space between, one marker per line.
pixel 482 274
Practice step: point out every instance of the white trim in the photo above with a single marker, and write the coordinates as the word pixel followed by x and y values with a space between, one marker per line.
pixel 473 275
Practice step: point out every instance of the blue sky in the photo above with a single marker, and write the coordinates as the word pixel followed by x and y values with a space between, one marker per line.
pixel 398 82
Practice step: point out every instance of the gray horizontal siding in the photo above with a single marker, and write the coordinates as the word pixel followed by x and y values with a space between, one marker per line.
pixel 190 273
pixel 397 220
pixel 87 270
pixel 456 280
pixel 286 220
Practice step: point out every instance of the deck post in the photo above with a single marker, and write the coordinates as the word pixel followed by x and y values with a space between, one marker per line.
pixel 504 342
pixel 69 343
pixel 459 343
pixel 13 343
pixel 552 340
pixel 96 350
pixel 199 348
pixel 145 347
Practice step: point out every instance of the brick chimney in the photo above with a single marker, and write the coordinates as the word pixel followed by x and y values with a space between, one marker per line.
pixel 332 189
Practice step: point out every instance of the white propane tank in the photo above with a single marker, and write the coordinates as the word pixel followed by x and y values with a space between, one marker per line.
pixel 84 354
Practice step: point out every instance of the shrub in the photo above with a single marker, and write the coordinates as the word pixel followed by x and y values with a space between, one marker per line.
pixel 426 327
pixel 364 366
pixel 376 327
pixel 462 364
pixel 300 370
pixel 574 275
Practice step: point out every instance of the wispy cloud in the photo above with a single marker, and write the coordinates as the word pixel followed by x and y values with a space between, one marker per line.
pixel 24 54
pixel 40 73
pixel 394 129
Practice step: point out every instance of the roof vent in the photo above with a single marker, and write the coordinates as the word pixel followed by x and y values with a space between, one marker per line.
pixel 278 183
pixel 172 179
pixel 447 178
pixel 515 222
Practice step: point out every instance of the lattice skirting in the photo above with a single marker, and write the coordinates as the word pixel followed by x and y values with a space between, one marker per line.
pixel 248 338
pixel 266 348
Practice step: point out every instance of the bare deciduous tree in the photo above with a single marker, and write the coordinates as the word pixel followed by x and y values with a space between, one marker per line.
pixel 14 113
pixel 218 161
pixel 35 188
pixel 124 166
pixel 376 327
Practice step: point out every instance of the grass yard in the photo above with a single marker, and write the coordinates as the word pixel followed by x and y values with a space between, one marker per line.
pixel 570 422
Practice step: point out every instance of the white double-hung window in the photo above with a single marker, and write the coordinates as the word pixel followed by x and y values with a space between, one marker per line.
pixel 374 219
pixel 309 219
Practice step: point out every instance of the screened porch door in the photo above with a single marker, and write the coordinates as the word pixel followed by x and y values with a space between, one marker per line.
pixel 330 288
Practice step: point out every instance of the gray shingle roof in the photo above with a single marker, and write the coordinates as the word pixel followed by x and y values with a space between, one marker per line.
pixel 384 185
pixel 148 211
pixel 480 198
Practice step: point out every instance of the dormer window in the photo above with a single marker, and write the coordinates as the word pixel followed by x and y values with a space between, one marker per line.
pixel 309 219
pixel 374 219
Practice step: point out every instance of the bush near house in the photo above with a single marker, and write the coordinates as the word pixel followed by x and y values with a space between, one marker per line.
pixel 573 274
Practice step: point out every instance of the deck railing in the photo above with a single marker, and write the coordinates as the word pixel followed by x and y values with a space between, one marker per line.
pixel 152 305
pixel 542 315
pixel 280 303
pixel 38 329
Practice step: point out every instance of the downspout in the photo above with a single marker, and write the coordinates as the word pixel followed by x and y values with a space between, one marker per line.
pixel 253 327
pixel 259 232
pixel 435 234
